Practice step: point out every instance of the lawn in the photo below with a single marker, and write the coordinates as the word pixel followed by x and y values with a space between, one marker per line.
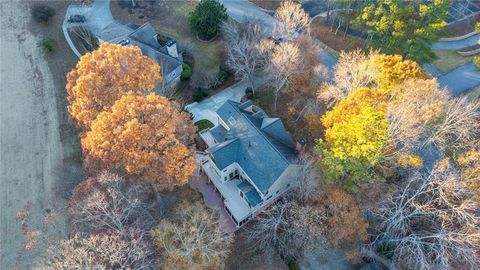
pixel 474 93
pixel 449 60
pixel 203 124
pixel 265 97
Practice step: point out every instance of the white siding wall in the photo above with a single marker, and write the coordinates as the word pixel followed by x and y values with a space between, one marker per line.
pixel 289 176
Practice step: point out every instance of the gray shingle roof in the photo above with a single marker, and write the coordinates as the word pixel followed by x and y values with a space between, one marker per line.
pixel 263 154
pixel 143 37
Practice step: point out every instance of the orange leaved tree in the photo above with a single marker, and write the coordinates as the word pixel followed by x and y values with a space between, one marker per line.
pixel 103 76
pixel 146 137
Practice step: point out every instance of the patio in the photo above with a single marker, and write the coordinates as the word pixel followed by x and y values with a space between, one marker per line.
pixel 213 200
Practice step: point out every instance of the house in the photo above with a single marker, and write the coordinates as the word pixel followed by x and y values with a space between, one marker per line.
pixel 158 47
pixel 251 159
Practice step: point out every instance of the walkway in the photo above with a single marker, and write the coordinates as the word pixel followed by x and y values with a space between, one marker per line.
pixel 461 79
pixel 457 44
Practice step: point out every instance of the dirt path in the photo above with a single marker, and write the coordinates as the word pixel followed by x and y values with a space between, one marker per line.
pixel 30 145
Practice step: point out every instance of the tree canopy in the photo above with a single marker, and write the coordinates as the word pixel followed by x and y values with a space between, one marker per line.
pixel 193 239
pixel 143 136
pixel 404 27
pixel 207 17
pixel 103 76
pixel 380 123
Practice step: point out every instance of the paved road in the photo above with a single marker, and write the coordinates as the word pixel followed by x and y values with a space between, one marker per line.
pixel 460 79
pixel 456 45
pixel 243 11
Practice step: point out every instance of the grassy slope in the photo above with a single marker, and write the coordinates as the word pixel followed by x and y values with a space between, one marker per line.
pixel 449 60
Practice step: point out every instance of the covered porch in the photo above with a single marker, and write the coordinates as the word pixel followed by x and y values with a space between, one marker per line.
pixel 235 206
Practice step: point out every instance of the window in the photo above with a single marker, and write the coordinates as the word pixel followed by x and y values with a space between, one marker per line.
pixel 225 179
pixel 236 172
pixel 232 121
pixel 241 194
pixel 288 185
pixel 231 175
pixel 277 191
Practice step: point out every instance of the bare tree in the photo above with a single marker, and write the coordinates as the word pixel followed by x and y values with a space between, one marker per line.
pixel 109 203
pixel 101 251
pixel 192 240
pixel 243 54
pixel 291 19
pixel 285 61
pixel 431 224
pixel 287 228
pixel 308 187
pixel 85 36
pixel 459 125
pixel 351 71
pixel 413 109
pixel 105 213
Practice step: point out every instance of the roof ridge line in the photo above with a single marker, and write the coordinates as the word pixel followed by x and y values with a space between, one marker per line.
pixel 276 119
pixel 263 135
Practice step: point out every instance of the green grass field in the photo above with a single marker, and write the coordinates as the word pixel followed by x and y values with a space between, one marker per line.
pixel 449 60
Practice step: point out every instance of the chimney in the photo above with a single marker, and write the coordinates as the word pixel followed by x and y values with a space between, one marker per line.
pixel 301 145
pixel 172 48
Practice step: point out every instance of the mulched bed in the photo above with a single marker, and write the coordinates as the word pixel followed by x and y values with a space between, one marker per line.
pixel 340 42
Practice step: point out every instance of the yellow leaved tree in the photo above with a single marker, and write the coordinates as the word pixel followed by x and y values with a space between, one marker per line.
pixel 147 137
pixel 103 76
pixel 379 124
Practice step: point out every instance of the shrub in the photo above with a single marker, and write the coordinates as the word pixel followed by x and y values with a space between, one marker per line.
pixel 42 13
pixel 47 44
pixel 476 61
pixel 292 264
pixel 223 73
pixel 186 73
pixel 249 93
pixel 205 20
pixel 199 95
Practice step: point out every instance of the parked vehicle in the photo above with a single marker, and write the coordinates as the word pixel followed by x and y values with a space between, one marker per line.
pixel 76 18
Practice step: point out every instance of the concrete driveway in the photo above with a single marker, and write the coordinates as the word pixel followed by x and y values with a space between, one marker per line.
pixel 97 17
pixel 206 108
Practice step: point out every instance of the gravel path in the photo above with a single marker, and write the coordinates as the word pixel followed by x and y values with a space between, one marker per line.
pixel 30 146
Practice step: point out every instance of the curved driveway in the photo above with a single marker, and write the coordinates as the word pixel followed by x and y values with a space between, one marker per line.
pixel 457 44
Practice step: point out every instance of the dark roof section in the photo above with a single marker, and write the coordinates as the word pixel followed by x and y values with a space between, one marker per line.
pixel 144 37
pixel 263 153
pixel 250 193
